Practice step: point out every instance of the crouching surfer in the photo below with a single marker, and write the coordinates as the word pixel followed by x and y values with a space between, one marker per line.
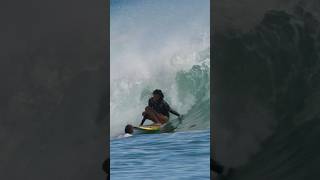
pixel 158 109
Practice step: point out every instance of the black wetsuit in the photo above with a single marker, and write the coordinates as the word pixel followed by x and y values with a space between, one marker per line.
pixel 162 107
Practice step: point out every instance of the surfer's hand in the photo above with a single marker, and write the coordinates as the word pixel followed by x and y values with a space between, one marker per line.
pixel 180 117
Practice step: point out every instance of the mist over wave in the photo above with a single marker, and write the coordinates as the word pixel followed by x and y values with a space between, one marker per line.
pixel 159 45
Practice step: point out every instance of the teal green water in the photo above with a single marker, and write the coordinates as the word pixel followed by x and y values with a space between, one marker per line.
pixel 169 156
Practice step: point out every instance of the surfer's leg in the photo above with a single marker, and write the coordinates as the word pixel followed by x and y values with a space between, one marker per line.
pixel 162 118
pixel 151 114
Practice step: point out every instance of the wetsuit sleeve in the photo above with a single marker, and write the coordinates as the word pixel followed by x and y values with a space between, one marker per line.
pixel 149 103
pixel 172 111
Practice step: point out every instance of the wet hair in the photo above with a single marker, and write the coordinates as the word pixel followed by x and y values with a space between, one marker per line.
pixel 128 129
pixel 159 92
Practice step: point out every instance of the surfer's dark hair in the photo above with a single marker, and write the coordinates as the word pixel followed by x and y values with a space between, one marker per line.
pixel 159 92
pixel 128 129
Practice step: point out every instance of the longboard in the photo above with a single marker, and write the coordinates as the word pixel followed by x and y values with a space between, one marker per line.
pixel 149 128
pixel 164 128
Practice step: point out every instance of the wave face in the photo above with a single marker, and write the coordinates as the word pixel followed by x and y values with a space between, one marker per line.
pixel 154 45
pixel 266 95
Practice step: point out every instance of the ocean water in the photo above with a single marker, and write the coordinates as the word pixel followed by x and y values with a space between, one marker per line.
pixel 169 156
pixel 266 107
pixel 155 46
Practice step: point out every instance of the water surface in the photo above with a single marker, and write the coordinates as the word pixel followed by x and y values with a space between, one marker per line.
pixel 169 156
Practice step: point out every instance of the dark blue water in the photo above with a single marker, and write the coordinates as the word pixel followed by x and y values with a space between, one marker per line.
pixel 169 156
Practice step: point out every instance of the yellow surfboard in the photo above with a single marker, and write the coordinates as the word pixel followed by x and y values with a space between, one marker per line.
pixel 149 127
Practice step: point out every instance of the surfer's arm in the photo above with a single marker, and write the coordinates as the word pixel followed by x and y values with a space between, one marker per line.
pixel 143 120
pixel 174 112
pixel 150 104
pixel 171 110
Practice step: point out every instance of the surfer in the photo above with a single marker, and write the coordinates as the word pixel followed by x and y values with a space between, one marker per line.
pixel 128 131
pixel 158 109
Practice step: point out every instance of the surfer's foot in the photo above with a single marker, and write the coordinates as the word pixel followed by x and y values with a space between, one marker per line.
pixel 156 124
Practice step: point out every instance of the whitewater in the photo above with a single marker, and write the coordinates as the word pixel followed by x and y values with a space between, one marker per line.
pixel 155 47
